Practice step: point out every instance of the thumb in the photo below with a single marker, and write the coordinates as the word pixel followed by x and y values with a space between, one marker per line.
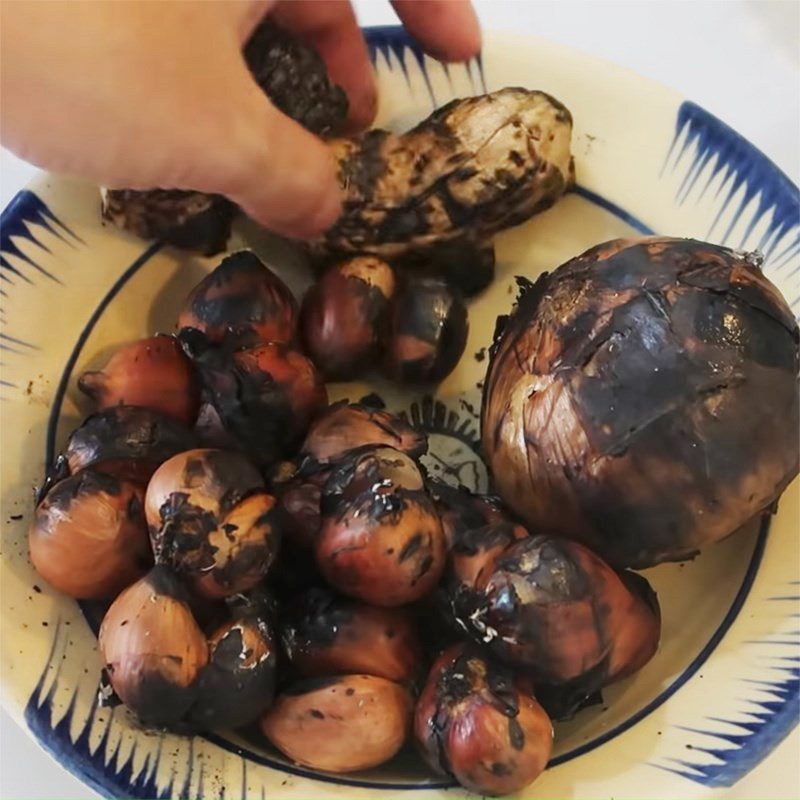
pixel 280 174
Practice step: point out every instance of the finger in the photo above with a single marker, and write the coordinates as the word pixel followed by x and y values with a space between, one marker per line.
pixel 280 174
pixel 250 14
pixel 330 27
pixel 447 29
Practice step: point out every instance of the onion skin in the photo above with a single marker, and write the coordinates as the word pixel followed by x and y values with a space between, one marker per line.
pixel 477 723
pixel 294 78
pixel 472 168
pixel 211 520
pixel 466 265
pixel 428 332
pixel 241 303
pixel 299 497
pixel 184 219
pixel 638 628
pixel 344 427
pixel 344 317
pixel 462 510
pixel 473 551
pixel 244 547
pixel 153 649
pixel 127 442
pixel 151 373
pixel 89 538
pixel 342 724
pixel 554 607
pixel 238 683
pixel 265 396
pixel 381 539
pixel 326 635
pixel 638 399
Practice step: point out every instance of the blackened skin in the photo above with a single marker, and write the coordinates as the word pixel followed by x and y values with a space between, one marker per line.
pixel 472 551
pixel 153 649
pixel 265 396
pixel 86 482
pixel 185 219
pixel 158 702
pixel 656 384
pixel 344 427
pixel 473 168
pixel 553 607
pixel 299 500
pixel 211 519
pixel 344 317
pixel 325 635
pixel 88 537
pixel 381 540
pixel 299 518
pixel 238 683
pixel 564 700
pixel 462 510
pixel 242 303
pixel 466 266
pixel 126 441
pixel 477 722
pixel 477 528
pixel 54 472
pixel 294 78
pixel 428 332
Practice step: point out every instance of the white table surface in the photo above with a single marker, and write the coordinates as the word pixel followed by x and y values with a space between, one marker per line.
pixel 739 60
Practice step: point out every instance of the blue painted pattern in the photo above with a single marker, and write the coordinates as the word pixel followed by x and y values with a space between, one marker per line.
pixel 704 145
pixel 392 40
pixel 767 721
pixel 25 210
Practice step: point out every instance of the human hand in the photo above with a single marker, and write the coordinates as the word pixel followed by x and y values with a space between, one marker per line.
pixel 145 95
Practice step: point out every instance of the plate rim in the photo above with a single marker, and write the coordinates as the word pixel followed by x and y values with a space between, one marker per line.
pixel 401 39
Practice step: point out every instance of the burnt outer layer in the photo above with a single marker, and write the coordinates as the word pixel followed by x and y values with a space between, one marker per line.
pixel 344 317
pixel 294 78
pixel 344 427
pixel 266 397
pixel 299 497
pixel 471 169
pixel 328 635
pixel 428 332
pixel 552 606
pixel 381 539
pixel 184 219
pixel 89 537
pixel 472 551
pixel 479 724
pixel 462 510
pixel 242 303
pixel 212 521
pixel 466 265
pixel 153 650
pixel 238 683
pixel 126 441
pixel 151 373
pixel 643 398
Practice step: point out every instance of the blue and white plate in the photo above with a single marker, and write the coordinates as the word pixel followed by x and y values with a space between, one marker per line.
pixel 722 692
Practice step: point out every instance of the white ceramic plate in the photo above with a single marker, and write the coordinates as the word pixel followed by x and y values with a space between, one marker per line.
pixel 722 691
